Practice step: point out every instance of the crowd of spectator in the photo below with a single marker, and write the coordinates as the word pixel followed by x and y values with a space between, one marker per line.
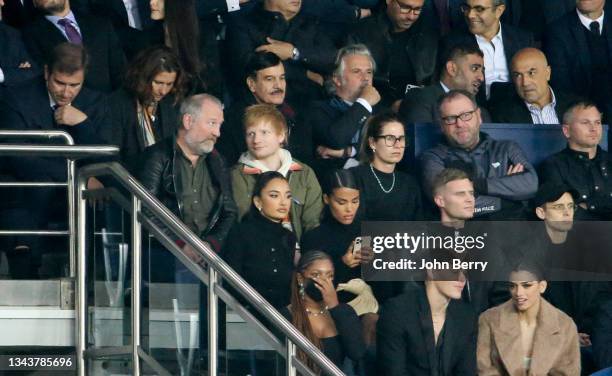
pixel 274 128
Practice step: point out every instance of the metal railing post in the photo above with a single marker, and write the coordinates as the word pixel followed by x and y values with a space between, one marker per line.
pixel 136 277
pixel 81 296
pixel 71 193
pixel 213 320
pixel 291 352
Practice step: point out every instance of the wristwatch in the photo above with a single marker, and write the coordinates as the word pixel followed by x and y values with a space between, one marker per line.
pixel 295 54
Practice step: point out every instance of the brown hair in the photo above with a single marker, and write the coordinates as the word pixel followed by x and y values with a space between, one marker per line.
pixel 299 317
pixel 148 64
pixel 265 112
pixel 446 176
pixel 67 58
pixel 374 128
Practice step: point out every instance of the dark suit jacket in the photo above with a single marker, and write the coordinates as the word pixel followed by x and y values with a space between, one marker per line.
pixel 106 58
pixel 419 105
pixel 125 129
pixel 317 51
pixel 514 110
pixel 28 108
pixel 568 54
pixel 13 54
pixel 17 14
pixel 514 40
pixel 132 40
pixel 375 33
pixel 405 338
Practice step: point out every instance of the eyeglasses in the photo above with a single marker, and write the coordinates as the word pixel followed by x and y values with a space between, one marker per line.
pixel 406 9
pixel 560 207
pixel 479 9
pixel 465 116
pixel 391 140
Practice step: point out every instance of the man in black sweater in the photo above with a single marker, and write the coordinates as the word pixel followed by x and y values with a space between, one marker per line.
pixel 583 166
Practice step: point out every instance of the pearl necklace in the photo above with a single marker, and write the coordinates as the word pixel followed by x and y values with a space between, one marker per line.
pixel 315 314
pixel 380 184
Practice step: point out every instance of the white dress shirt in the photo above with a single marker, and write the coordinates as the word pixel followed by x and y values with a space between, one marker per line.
pixel 496 67
pixel 546 114
pixel 131 6
pixel 586 21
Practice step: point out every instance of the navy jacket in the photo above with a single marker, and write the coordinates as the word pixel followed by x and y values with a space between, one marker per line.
pixel 13 54
pixel 106 58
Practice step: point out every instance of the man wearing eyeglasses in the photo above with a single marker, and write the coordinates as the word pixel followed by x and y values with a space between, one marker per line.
pixel 583 165
pixel 464 69
pixel 498 42
pixel 403 46
pixel 503 177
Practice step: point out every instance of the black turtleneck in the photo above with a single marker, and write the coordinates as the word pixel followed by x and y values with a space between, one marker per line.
pixel 334 238
pixel 262 251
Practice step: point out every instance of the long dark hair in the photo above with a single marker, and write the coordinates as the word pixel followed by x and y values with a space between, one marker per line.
pixel 299 317
pixel 148 64
pixel 183 30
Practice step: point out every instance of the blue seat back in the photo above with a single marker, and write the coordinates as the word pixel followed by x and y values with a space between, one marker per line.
pixel 537 141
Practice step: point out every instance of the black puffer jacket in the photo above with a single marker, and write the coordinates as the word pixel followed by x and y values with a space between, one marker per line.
pixel 157 174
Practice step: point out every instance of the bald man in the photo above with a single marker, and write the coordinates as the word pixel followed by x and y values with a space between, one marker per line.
pixel 534 101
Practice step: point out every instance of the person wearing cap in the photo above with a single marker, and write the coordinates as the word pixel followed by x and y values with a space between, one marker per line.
pixel 555 206
pixel 583 166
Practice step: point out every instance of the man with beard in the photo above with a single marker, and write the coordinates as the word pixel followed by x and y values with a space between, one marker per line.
pixel 189 176
pixel 403 46
pixel 464 70
pixel 337 121
pixel 265 84
pixel 498 42
pixel 534 102
pixel 61 24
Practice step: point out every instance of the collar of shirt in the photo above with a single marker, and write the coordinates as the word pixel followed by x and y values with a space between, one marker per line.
pixel 535 108
pixel 52 102
pixel 70 16
pixel 586 21
pixel 444 87
pixel 496 39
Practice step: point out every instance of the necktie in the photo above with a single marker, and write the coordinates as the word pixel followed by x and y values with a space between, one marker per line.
pixel 594 26
pixel 71 31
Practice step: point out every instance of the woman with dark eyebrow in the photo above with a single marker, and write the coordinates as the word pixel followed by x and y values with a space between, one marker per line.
pixel 527 335
pixel 388 194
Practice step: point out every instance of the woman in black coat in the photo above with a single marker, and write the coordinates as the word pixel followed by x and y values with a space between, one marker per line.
pixel 144 111
pixel 260 248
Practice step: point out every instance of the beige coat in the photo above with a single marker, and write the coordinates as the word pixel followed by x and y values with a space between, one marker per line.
pixel 556 349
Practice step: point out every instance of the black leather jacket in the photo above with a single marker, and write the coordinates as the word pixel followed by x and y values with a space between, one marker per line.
pixel 157 174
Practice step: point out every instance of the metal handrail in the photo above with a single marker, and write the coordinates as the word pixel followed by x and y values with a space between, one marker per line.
pixel 216 268
pixel 71 153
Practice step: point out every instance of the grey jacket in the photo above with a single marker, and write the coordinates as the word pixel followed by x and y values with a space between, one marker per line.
pixel 489 162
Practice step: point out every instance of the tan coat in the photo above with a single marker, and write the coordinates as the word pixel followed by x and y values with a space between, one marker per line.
pixel 556 349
